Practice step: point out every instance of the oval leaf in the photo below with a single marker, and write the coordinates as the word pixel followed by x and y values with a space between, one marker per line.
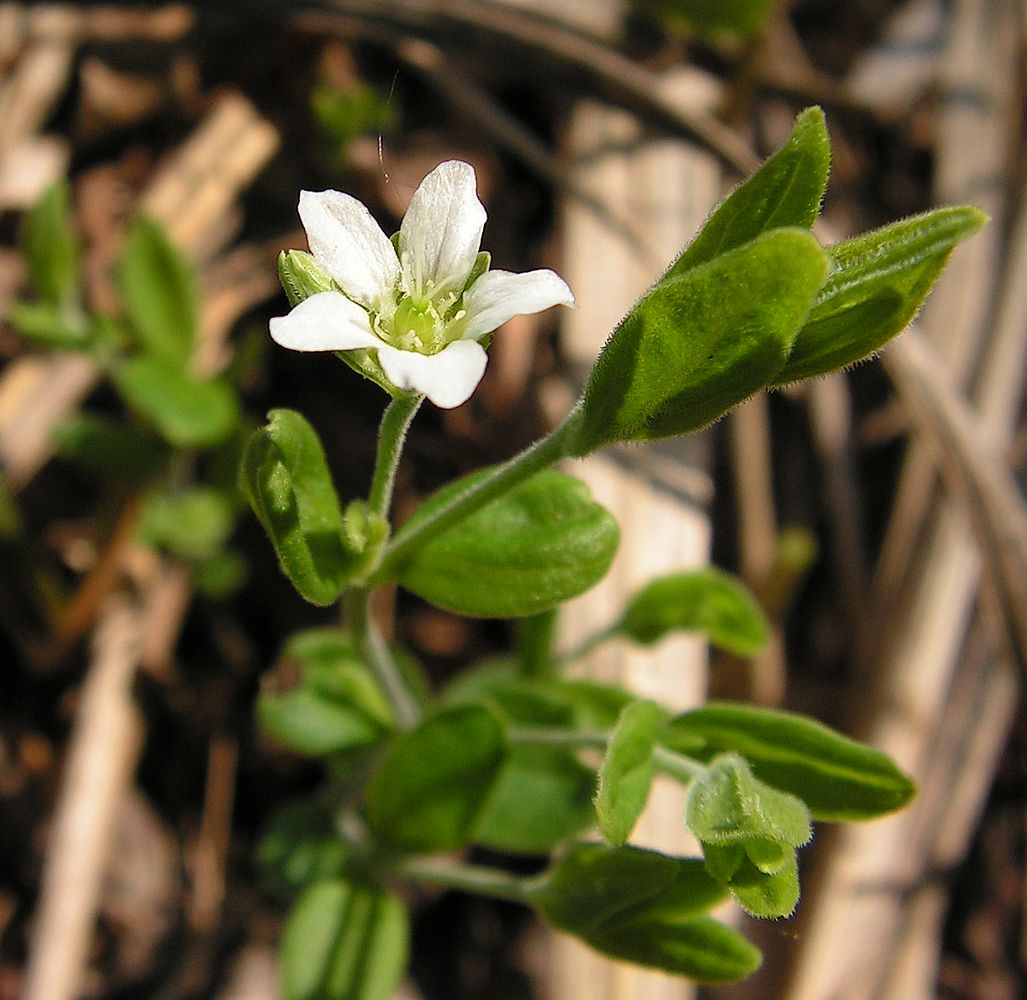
pixel 786 191
pixel 837 778
pixel 344 942
pixel 626 774
pixel 158 292
pixel 706 600
pixel 531 549
pixel 432 785
pixel 50 245
pixel 646 908
pixel 111 447
pixel 286 479
pixel 878 282
pixel 187 412
pixel 701 342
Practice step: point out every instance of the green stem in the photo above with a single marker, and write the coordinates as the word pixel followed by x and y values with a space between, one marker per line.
pixel 467 878
pixel 502 478
pixel 357 602
pixel 671 763
pixel 392 433
pixel 585 647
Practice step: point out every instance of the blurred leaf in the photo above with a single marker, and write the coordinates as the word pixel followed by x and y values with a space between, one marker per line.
pixel 221 574
pixel 878 282
pixel 538 545
pixel 646 908
pixel 432 785
pixel 110 448
pixel 50 246
pixel 713 17
pixel 286 479
pixel 699 343
pixel 626 774
pixel 706 600
pixel 335 706
pixel 186 411
pixel 10 516
pixel 193 523
pixel 344 942
pixel 785 191
pixel 837 778
pixel 50 324
pixel 347 114
pixel 158 292
pixel 543 796
pixel 300 845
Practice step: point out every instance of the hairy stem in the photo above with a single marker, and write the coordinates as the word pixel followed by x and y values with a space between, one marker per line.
pixel 500 480
pixel 392 433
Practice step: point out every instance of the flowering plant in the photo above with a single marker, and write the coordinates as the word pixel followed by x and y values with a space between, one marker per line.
pixel 494 759
pixel 421 302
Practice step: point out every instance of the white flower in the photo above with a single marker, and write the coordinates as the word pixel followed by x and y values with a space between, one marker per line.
pixel 423 303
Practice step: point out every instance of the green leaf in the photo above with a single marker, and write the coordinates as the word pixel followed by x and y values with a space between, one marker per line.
pixel 433 784
pixel 285 478
pixel 51 324
pixel 786 191
pixel 837 778
pixel 706 600
pixel 543 796
pixel 699 343
pixel 301 844
pixel 538 545
pixel 714 17
pixel 626 774
pixel 110 448
pixel 729 805
pixel 220 574
pixel 51 247
pixel 646 908
pixel 187 412
pixel 344 942
pixel 192 523
pixel 335 706
pixel 878 283
pixel 158 292
pixel 760 893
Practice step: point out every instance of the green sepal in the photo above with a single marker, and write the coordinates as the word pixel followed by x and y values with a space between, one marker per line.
pixel 626 774
pixel 837 778
pixel 787 190
pixel 336 704
pixel 706 600
pixel 344 941
pixel 431 788
pixel 646 908
pixel 50 245
pixel 699 343
pixel 285 478
pixel 302 276
pixel 877 284
pixel 186 411
pixel 527 551
pixel 158 292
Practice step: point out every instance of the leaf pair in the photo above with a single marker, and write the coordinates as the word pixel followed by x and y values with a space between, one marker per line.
pixel 755 301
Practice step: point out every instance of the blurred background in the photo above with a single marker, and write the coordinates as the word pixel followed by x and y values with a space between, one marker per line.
pixel 877 513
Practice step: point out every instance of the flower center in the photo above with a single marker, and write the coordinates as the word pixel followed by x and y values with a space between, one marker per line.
pixel 420 324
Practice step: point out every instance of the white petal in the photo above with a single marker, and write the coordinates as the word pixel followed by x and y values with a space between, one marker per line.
pixel 447 378
pixel 498 295
pixel 441 231
pixel 350 245
pixel 327 321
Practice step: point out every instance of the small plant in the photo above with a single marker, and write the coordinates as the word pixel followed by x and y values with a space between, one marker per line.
pixel 496 758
